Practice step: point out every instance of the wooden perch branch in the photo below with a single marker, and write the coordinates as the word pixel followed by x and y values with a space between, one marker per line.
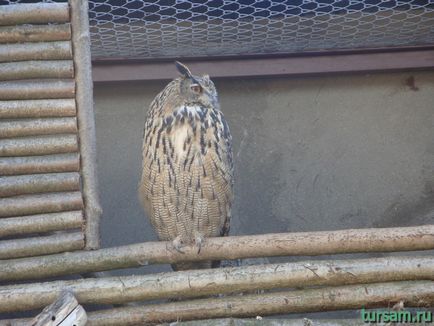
pixel 35 33
pixel 60 242
pixel 266 245
pixel 41 145
pixel 36 69
pixel 39 164
pixel 39 183
pixel 37 108
pixel 35 51
pixel 33 127
pixel 190 284
pixel 414 294
pixel 42 203
pixel 30 90
pixel 38 13
pixel 40 223
pixel 86 119
pixel 64 311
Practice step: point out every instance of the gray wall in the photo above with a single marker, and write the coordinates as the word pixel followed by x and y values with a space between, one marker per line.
pixel 319 153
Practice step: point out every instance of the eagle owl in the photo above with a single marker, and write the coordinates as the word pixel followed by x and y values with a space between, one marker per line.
pixel 186 186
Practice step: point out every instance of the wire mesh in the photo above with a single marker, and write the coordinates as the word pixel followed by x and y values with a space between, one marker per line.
pixel 160 29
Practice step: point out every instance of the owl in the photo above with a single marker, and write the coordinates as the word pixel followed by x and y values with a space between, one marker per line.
pixel 186 186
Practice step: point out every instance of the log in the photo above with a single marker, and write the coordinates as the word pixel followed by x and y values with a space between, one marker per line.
pixel 40 223
pixel 37 108
pixel 35 33
pixel 37 13
pixel 69 162
pixel 41 203
pixel 414 294
pixel 39 183
pixel 233 247
pixel 34 127
pixel 86 119
pixel 36 246
pixel 270 322
pixel 65 311
pixel 40 89
pixel 41 145
pixel 36 69
pixel 199 283
pixel 60 50
pixel 246 322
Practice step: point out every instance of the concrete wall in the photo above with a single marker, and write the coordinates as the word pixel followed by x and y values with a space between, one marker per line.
pixel 320 153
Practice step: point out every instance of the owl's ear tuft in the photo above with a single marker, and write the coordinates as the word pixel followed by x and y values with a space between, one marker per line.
pixel 183 70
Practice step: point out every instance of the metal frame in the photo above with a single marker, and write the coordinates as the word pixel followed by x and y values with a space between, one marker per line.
pixel 412 58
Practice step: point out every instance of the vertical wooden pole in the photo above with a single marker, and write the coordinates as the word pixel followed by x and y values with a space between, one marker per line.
pixel 86 120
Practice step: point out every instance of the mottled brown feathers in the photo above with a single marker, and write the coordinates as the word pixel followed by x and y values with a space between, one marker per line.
pixel 187 177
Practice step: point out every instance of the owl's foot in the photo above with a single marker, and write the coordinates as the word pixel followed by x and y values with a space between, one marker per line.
pixel 178 244
pixel 199 240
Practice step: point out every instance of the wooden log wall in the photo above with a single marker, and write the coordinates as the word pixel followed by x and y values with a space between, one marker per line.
pixel 40 167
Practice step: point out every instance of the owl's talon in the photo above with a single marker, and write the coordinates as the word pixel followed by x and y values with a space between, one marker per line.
pixel 177 244
pixel 199 241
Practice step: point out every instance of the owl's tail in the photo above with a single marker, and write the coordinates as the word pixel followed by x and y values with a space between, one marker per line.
pixel 195 265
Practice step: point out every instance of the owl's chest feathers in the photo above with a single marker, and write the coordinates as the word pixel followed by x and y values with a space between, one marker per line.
pixel 185 136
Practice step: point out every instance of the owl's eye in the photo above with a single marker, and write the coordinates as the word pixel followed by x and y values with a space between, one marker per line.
pixel 195 88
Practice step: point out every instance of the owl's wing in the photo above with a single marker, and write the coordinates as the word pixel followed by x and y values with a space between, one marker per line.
pixel 152 184
pixel 158 193
pixel 217 184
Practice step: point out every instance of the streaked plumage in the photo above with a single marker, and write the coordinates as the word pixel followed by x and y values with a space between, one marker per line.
pixel 187 177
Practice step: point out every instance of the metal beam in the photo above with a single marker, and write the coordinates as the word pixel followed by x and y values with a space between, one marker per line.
pixel 315 64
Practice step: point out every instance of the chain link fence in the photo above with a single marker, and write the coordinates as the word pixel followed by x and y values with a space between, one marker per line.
pixel 163 29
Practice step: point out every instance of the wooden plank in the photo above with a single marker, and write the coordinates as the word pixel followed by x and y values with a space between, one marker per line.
pixel 37 108
pixel 35 127
pixel 41 203
pixel 19 225
pixel 41 145
pixel 36 246
pixel 212 282
pixel 65 311
pixel 39 183
pixel 60 50
pixel 77 317
pixel 36 13
pixel 232 247
pixel 35 33
pixel 40 89
pixel 69 162
pixel 47 69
